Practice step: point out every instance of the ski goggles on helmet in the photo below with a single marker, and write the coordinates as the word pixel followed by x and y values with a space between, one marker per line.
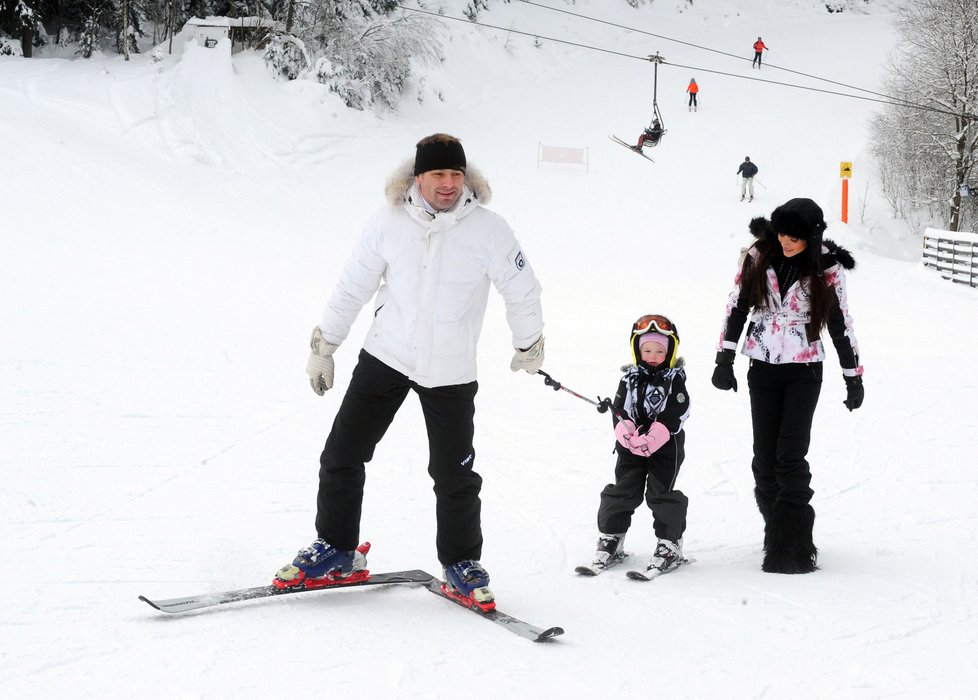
pixel 654 323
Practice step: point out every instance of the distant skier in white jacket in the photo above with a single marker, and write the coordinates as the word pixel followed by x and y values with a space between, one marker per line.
pixel 432 252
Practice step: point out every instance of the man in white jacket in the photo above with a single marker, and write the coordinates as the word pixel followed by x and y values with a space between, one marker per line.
pixel 430 256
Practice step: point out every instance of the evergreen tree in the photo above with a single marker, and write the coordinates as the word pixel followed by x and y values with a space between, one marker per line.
pixel 18 19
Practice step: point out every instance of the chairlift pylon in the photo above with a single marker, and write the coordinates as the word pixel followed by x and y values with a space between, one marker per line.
pixel 656 114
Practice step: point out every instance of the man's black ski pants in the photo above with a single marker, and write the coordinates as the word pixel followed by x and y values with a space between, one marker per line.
pixel 375 394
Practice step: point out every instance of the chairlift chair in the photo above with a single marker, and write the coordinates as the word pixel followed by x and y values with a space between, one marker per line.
pixel 656 114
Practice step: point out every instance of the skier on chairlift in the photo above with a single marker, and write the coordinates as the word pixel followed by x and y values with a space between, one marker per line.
pixel 651 135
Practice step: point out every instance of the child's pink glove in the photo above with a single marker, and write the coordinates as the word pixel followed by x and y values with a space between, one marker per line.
pixel 623 431
pixel 645 445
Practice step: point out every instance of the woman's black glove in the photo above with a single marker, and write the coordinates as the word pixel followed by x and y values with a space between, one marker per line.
pixel 855 393
pixel 723 374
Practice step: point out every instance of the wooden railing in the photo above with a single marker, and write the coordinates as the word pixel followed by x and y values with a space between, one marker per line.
pixel 954 256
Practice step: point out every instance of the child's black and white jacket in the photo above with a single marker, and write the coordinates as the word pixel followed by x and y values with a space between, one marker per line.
pixel 648 396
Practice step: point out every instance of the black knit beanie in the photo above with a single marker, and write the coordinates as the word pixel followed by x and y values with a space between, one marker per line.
pixel 439 155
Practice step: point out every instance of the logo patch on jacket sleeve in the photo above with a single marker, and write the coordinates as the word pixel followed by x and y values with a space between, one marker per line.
pixel 519 261
pixel 681 397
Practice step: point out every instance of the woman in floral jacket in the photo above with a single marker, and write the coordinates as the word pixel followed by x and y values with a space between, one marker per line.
pixel 792 283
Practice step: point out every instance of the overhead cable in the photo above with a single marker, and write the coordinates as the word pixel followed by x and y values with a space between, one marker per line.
pixel 892 101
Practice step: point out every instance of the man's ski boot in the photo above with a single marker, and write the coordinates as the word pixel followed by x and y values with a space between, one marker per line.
pixel 467 581
pixel 321 564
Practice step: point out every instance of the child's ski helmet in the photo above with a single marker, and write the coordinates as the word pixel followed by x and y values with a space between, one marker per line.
pixel 655 323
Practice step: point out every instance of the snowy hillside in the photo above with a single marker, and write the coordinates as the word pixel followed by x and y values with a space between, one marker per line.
pixel 169 233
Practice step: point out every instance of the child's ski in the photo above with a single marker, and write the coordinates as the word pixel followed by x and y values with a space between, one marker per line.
pixel 594 569
pixel 652 574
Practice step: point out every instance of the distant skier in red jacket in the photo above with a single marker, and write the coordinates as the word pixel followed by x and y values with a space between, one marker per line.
pixel 692 89
pixel 758 48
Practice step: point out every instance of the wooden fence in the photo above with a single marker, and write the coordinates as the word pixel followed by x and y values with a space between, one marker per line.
pixel 954 257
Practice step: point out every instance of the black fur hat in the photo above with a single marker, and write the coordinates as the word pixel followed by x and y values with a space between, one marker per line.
pixel 800 218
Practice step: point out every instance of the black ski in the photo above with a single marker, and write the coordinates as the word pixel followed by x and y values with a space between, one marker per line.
pixel 514 625
pixel 652 574
pixel 630 147
pixel 207 600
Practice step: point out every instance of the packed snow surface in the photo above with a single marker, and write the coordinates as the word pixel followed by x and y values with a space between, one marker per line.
pixel 170 230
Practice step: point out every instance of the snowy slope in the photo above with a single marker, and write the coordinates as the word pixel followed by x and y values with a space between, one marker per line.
pixel 169 232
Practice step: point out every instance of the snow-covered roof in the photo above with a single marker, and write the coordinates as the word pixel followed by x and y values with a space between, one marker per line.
pixel 215 21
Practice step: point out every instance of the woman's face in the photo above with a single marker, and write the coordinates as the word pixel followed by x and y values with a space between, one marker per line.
pixel 791 245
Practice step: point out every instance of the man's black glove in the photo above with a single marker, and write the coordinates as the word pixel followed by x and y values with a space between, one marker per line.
pixel 723 374
pixel 855 393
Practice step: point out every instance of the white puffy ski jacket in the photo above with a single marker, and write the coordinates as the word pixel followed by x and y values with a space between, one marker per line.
pixel 433 273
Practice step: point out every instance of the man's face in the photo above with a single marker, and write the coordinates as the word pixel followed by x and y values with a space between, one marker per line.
pixel 441 188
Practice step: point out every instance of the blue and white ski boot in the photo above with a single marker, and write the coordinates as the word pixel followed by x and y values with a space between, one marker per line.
pixel 321 564
pixel 468 581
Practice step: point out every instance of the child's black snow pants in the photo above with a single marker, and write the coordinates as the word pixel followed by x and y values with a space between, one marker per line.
pixel 376 392
pixel 652 477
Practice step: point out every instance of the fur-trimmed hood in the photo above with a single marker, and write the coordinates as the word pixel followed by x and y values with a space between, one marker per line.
pixel 762 230
pixel 400 182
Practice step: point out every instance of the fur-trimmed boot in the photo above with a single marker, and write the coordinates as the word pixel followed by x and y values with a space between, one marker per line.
pixel 788 537
pixel 765 504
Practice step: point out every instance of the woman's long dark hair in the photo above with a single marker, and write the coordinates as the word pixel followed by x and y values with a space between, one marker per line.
pixel 753 282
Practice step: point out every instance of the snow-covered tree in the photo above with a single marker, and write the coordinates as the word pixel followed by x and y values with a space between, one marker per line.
pixel 18 19
pixel 286 56
pixel 928 158
pixel 362 49
pixel 90 40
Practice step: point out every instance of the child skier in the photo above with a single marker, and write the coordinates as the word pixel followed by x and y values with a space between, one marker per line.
pixel 652 394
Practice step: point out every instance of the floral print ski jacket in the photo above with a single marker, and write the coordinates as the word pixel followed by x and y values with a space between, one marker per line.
pixel 777 332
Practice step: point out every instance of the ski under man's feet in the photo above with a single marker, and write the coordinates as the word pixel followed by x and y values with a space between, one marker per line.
pixel 321 564
pixel 751 198
pixel 468 582
pixel 741 198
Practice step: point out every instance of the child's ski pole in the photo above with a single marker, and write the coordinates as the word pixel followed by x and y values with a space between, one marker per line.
pixel 603 405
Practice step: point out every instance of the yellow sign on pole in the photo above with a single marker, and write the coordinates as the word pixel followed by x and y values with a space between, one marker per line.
pixel 845 169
